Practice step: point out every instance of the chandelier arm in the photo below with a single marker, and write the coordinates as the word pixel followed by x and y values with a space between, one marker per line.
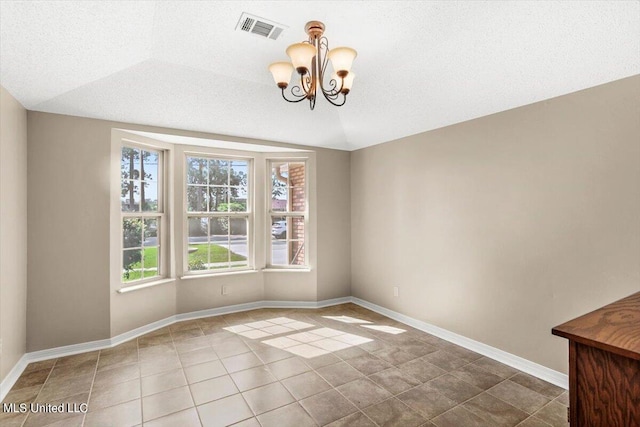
pixel 332 90
pixel 308 79
pixel 297 98
pixel 331 98
pixel 323 43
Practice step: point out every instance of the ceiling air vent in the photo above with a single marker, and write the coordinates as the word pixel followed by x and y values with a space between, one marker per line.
pixel 259 26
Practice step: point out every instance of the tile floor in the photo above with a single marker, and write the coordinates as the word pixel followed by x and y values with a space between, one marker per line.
pixel 337 366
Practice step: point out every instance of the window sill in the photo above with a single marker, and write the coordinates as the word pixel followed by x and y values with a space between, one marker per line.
pixel 144 285
pixel 286 270
pixel 209 275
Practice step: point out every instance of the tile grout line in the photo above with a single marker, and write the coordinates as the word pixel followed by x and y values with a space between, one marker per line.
pixel 397 367
pixel 195 407
pixel 246 341
pixel 84 416
pixel 484 391
pixel 332 386
pixel 240 392
pixel 280 381
pixel 40 391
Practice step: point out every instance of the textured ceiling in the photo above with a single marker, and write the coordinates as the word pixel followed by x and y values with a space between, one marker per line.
pixel 420 65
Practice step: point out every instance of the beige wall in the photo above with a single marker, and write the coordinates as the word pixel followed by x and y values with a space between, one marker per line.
pixel 502 227
pixel 334 224
pixel 72 298
pixel 13 231
pixel 68 219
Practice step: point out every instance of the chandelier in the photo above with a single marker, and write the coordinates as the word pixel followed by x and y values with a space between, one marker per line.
pixel 309 59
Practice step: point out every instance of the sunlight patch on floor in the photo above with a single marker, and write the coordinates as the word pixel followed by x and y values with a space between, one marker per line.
pixel 266 328
pixel 346 319
pixel 387 329
pixel 307 344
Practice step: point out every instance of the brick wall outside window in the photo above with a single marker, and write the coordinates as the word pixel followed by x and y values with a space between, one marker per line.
pixel 297 200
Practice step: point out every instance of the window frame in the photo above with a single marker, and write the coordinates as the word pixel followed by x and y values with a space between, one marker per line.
pixel 270 213
pixel 160 214
pixel 249 213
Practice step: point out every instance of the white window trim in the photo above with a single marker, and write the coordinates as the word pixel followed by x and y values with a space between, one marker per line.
pixel 249 214
pixel 299 214
pixel 162 223
pixel 165 194
pixel 175 209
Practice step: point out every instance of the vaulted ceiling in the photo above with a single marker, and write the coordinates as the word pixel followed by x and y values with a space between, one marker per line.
pixel 420 65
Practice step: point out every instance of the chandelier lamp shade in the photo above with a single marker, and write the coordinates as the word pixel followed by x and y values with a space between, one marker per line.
pixel 309 60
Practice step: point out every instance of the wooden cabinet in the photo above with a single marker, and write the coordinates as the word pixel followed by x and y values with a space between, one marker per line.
pixel 604 365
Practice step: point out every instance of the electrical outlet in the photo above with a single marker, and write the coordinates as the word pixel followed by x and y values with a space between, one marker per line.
pixel 396 291
pixel 226 290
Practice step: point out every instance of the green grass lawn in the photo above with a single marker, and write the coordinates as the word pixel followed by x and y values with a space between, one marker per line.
pixel 150 261
pixel 197 259
pixel 218 254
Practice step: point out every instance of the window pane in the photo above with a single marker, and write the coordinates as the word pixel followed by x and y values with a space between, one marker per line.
pixel 219 229
pixel 279 197
pixel 278 251
pixel 219 236
pixel 238 246
pixel 296 252
pixel 198 247
pixel 198 230
pixel 198 256
pixel 151 262
pixel 239 253
pixel 279 187
pixel 239 173
pixel 130 196
pixel 279 227
pixel 196 199
pixel 150 165
pixel 278 240
pixel 218 199
pixel 131 232
pixel 131 264
pixel 238 199
pixel 218 172
pixel 150 192
pixel 238 228
pixel 130 163
pixel 151 232
pixel 196 170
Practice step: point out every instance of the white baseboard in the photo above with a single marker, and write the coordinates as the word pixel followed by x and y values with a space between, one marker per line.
pixel 517 362
pixel 509 359
pixel 68 350
pixel 13 376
